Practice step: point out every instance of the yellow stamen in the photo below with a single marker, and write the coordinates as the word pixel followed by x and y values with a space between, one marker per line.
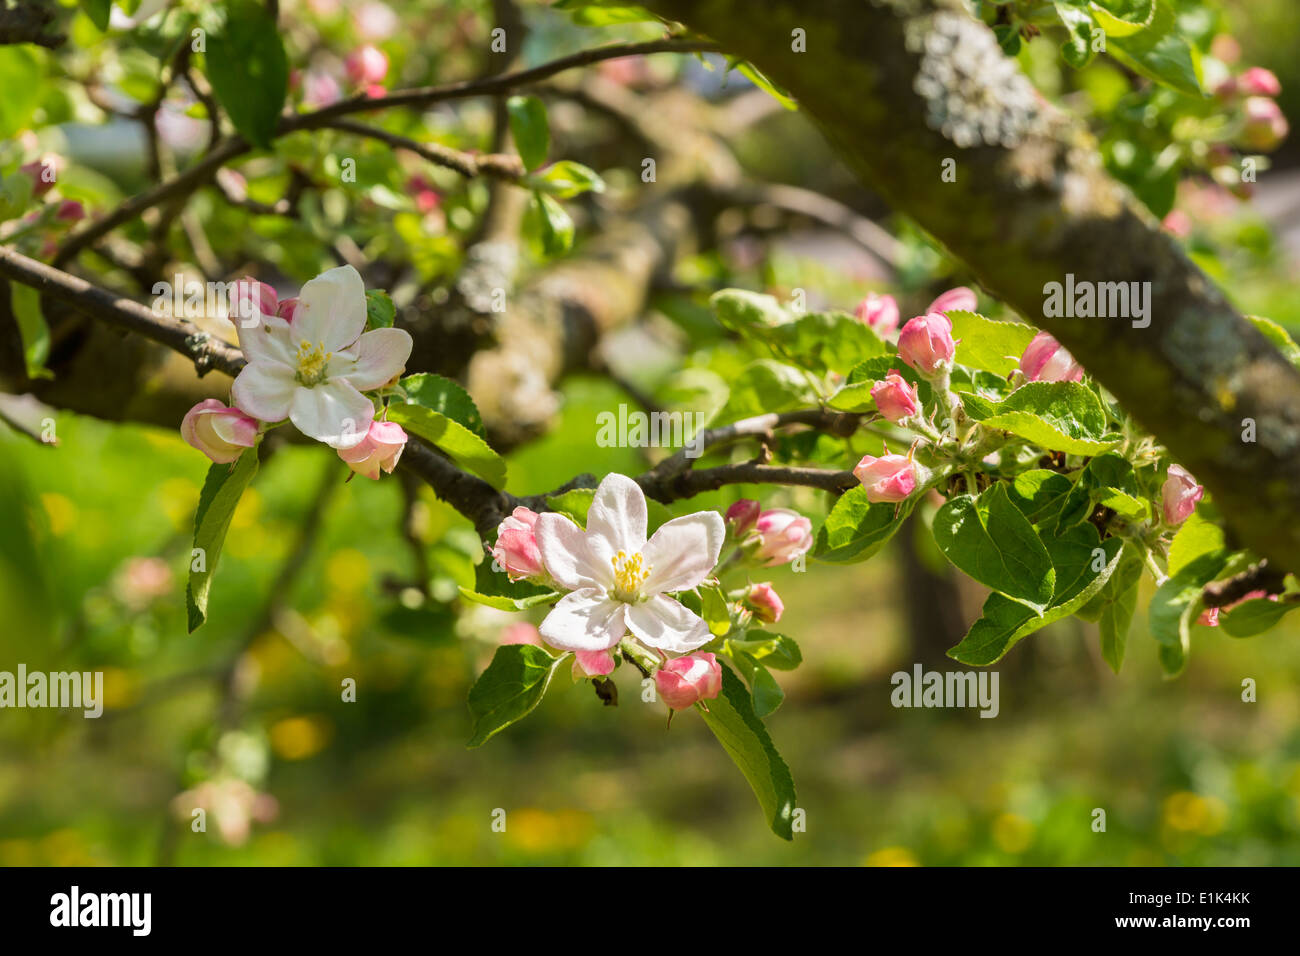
pixel 629 575
pixel 313 363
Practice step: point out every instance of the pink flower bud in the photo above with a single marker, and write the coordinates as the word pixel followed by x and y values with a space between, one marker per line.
pixel 960 299
pixel 926 344
pixel 592 663
pixel 1265 126
pixel 254 300
pixel 516 548
pixel 366 65
pixel 320 89
pixel 742 515
pixel 381 448
pixel 1258 81
pixel 1210 616
pixel 70 211
pixel 685 680
pixel 286 308
pixel 783 535
pixel 42 176
pixel 219 432
pixel 887 478
pixel 895 398
pixel 521 632
pixel 1179 495
pixel 880 312
pixel 1046 361
pixel 766 604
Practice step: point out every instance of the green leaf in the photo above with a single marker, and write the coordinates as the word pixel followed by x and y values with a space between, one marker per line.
pixel 575 503
pixel 1075 558
pixel 731 717
pixel 765 693
pixel 32 328
pixel 464 446
pixel 772 650
pixel 856 528
pixel 556 226
pixel 380 311
pixel 1279 337
pixel 752 73
pixel 445 396
pixel 1122 18
pixel 513 684
pixel 566 179
pixel 503 603
pixel 993 542
pixel 717 614
pixel 1175 605
pixel 1159 53
pixel 1255 616
pixel 817 341
pixel 1195 538
pixel 766 386
pixel 22 72
pixel 1077 49
pixel 983 343
pixel 1060 416
pixel 600 13
pixel 247 67
pixel 221 492
pixel 743 311
pixel 855 394
pixel 99 12
pixel 1040 494
pixel 1116 603
pixel 1108 481
pixel 529 128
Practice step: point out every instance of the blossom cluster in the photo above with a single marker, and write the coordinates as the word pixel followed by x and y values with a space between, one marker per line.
pixel 310 361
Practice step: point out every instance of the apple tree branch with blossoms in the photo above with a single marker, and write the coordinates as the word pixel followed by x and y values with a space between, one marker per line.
pixel 1035 475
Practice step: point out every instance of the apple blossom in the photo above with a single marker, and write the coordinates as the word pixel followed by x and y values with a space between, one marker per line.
pixel 880 312
pixel 381 448
pixel 593 663
pixel 314 371
pixel 219 432
pixel 516 547
pixel 1265 126
pixel 766 604
pixel 895 398
pixel 888 478
pixel 684 681
pixel 1179 495
pixel 254 300
pixel 960 299
pixel 782 535
pixel 619 581
pixel 742 515
pixel 1258 81
pixel 366 65
pixel 926 344
pixel 1046 361
pixel 285 308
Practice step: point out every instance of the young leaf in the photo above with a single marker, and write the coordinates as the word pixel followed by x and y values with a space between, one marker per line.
pixel 246 64
pixel 529 127
pixel 1061 416
pixel 856 528
pixel 556 226
pixel 1118 600
pixel 732 719
pixel 1158 52
pixel 1255 616
pixel 513 684
pixel 379 310
pixel 464 446
pixel 221 492
pixel 993 542
pixel 772 650
pixel 983 343
pixel 566 179
pixel 32 328
pixel 716 613
pixel 444 396
pixel 765 693
pixel 1122 18
pixel 1175 605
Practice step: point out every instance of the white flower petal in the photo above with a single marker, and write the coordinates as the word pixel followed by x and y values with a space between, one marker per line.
pixel 331 309
pixel 566 553
pixel 664 623
pixel 268 341
pixel 584 620
pixel 378 355
pixel 335 413
pixel 682 552
pixel 265 390
pixel 618 514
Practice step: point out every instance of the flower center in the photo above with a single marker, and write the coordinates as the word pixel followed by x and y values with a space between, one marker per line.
pixel 629 575
pixel 313 363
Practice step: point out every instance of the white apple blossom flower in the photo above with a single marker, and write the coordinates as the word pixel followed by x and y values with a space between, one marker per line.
pixel 618 581
pixel 313 369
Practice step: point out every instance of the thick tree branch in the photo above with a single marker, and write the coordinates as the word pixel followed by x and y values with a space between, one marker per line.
pixel 900 86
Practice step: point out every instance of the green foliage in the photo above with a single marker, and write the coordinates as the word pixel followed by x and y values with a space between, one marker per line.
pixel 530 129
pixel 246 64
pixel 444 429
pixel 513 684
pixel 222 490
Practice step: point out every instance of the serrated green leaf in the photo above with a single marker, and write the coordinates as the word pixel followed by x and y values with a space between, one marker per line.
pixel 765 693
pixel 1117 602
pixel 731 717
pixel 445 396
pixel 1040 494
pixel 1160 53
pixel 856 528
pixel 984 343
pixel 766 386
pixel 994 543
pixel 1060 416
pixel 246 64
pixel 1122 18
pixel 772 650
pixel 464 446
pixel 1175 606
pixel 513 684
pixel 1195 538
pixel 380 311
pixel 222 489
pixel 1255 616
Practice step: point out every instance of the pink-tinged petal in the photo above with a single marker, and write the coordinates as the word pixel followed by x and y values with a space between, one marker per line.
pixel 268 340
pixel 618 514
pixel 595 663
pixel 666 624
pixel 265 390
pixel 960 299
pixel 331 309
pixel 232 426
pixel 381 355
pixel 584 620
pixel 566 552
pixel 334 413
pixel 682 552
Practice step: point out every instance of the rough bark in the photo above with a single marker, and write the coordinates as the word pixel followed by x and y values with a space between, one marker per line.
pixel 897 86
